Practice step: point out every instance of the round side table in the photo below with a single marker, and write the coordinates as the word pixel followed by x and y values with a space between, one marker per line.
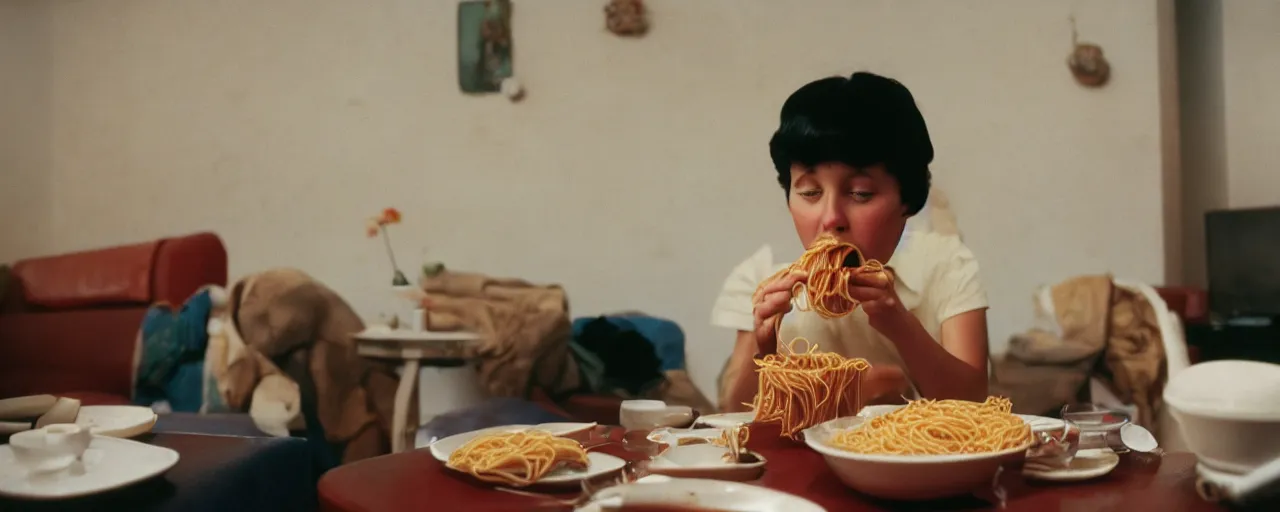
pixel 414 349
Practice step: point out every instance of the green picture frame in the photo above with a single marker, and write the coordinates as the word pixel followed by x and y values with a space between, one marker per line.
pixel 484 45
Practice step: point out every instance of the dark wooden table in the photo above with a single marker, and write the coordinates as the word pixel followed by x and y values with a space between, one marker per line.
pixel 417 481
pixel 214 473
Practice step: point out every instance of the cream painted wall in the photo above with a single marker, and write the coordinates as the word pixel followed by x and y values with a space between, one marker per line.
pixel 1204 157
pixel 636 171
pixel 1230 113
pixel 25 201
pixel 1251 85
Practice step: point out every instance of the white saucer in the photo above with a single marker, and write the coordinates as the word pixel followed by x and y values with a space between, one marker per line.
pixel 672 436
pixel 1087 464
pixel 725 420
pixel 109 463
pixel 705 461
pixel 693 492
pixel 442 448
pixel 116 420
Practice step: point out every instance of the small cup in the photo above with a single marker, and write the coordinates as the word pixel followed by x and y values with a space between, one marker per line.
pixel 650 414
pixel 51 448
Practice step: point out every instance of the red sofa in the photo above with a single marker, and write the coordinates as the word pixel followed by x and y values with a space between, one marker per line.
pixel 69 323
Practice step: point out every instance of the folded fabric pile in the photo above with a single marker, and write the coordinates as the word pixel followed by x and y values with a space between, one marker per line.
pixel 27 412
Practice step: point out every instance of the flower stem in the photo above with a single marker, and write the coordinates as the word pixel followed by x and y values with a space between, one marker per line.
pixel 386 237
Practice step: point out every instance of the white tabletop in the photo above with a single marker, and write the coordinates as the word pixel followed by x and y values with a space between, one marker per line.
pixel 410 336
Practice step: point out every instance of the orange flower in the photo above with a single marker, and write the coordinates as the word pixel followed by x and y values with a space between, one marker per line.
pixel 389 216
pixel 371 228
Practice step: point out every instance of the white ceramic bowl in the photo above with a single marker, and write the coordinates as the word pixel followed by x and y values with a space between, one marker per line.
pixel 907 477
pixel 1228 412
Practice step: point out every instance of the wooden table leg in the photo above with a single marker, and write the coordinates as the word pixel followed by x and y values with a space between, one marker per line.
pixel 401 435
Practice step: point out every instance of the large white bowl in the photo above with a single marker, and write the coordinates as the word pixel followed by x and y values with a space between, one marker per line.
pixel 908 477
pixel 1228 412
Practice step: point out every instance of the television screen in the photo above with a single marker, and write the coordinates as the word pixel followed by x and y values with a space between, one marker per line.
pixel 1243 255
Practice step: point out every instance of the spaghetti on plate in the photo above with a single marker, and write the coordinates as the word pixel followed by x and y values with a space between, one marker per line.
pixel 517 458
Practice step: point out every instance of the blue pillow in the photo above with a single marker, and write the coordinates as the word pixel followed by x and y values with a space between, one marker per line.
pixel 666 336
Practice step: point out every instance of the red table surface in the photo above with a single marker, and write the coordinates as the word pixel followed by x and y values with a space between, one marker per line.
pixel 417 481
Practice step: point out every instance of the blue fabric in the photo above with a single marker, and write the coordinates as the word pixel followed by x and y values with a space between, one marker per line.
pixel 173 345
pixel 666 336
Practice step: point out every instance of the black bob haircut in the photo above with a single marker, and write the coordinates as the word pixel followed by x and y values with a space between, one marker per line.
pixel 860 121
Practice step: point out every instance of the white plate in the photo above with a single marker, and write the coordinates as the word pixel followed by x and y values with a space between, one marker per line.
pixel 711 494
pixel 442 448
pixel 726 420
pixel 109 463
pixel 116 420
pixel 1086 465
pixel 598 464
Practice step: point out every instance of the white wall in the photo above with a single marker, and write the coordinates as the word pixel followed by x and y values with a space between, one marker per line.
pixel 1204 158
pixel 1229 56
pixel 25 201
pixel 1251 85
pixel 636 171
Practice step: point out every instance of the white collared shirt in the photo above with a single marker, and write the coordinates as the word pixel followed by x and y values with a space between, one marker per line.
pixel 937 278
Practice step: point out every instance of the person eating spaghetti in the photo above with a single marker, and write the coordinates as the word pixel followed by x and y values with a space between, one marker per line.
pixel 852 156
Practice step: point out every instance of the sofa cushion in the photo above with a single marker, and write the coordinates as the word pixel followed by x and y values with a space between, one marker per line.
pixel 69 351
pixel 117 275
pixel 96 398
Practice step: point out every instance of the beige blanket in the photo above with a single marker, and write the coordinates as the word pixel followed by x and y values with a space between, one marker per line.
pixel 1092 329
pixel 283 334
pixel 524 330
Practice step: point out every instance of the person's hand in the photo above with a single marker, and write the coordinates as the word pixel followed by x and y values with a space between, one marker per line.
pixel 875 292
pixel 771 301
pixel 884 384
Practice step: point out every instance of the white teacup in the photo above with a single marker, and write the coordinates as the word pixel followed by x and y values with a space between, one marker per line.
pixel 651 414
pixel 51 448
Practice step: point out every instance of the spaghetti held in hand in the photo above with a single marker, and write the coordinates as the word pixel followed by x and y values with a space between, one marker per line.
pixel 939 427
pixel 517 458
pixel 800 390
pixel 831 265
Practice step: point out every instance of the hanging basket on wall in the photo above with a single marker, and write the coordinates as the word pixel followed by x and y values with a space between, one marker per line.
pixel 626 18
pixel 1089 65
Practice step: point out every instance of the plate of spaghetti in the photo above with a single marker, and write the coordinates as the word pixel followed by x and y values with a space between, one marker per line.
pixel 526 457
pixel 441 448
pixel 925 450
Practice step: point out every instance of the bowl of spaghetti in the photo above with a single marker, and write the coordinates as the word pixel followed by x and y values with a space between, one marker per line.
pixel 926 450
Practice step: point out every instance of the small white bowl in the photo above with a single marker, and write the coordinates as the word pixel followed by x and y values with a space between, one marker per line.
pixel 650 414
pixel 908 477
pixel 1228 412
pixel 50 448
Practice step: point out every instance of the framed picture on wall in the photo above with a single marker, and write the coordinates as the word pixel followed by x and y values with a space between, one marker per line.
pixel 484 45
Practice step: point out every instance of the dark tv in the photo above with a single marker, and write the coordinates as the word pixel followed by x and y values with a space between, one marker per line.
pixel 1243 255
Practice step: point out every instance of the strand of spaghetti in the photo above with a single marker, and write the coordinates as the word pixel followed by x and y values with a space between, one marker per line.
pixel 933 427
pixel 801 389
pixel 827 290
pixel 516 458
